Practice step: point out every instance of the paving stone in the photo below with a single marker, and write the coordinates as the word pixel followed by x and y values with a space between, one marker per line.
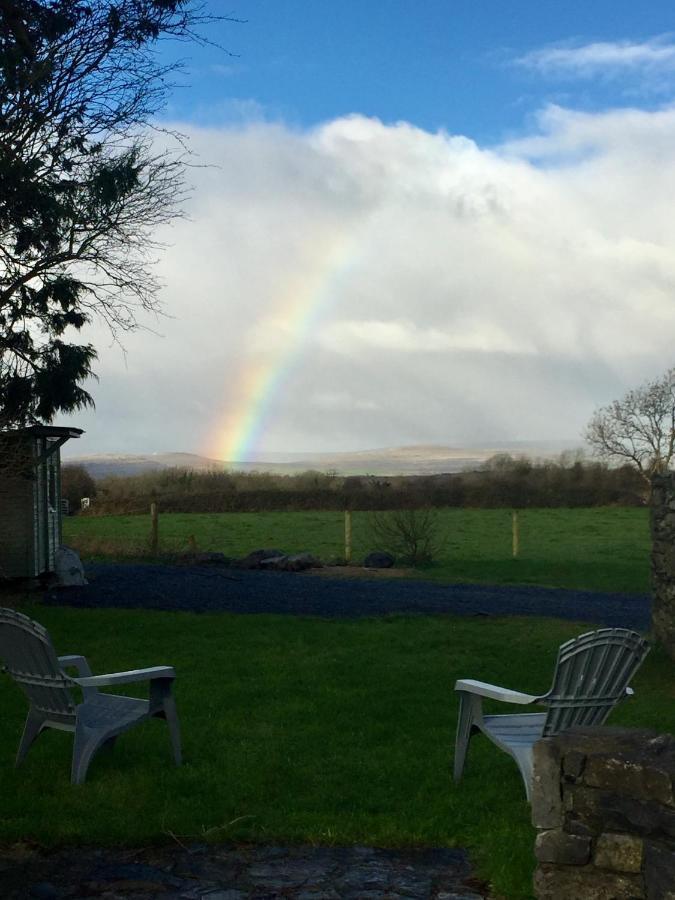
pixel 239 872
pixel 133 872
pixel 445 896
pixel 217 894
pixel 45 890
pixel 320 894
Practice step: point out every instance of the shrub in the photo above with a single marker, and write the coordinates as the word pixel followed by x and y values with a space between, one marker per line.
pixel 412 535
pixel 76 483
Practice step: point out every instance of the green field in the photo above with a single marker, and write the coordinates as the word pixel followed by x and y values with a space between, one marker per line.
pixel 301 730
pixel 602 548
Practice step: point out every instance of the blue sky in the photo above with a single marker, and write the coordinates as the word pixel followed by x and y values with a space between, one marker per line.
pixel 437 64
pixel 414 223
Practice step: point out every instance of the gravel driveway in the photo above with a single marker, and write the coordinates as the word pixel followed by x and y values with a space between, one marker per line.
pixel 215 589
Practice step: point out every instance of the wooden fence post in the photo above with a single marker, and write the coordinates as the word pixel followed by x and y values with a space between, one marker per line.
pixel 154 529
pixel 515 534
pixel 348 535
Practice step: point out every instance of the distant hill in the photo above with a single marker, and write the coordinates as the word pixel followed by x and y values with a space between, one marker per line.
pixel 426 459
pixel 100 465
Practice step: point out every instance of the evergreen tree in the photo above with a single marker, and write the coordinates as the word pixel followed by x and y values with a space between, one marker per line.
pixel 84 183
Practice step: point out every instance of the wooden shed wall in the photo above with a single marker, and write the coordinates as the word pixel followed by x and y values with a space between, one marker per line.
pixel 30 510
pixel 17 534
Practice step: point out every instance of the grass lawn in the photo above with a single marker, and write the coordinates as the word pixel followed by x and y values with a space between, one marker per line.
pixel 602 548
pixel 301 730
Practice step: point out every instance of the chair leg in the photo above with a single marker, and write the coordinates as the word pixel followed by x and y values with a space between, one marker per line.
pixel 31 730
pixel 163 704
pixel 85 746
pixel 525 758
pixel 171 716
pixel 465 730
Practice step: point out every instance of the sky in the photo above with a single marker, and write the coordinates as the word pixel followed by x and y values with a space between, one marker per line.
pixel 410 223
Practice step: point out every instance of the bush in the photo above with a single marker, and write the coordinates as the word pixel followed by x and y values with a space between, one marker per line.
pixel 76 483
pixel 503 481
pixel 412 535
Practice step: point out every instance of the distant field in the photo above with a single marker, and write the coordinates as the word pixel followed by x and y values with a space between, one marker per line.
pixel 601 548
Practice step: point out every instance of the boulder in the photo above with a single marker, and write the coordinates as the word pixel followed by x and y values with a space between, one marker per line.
pixel 255 559
pixel 205 558
pixel 273 562
pixel 69 569
pixel 298 562
pixel 378 559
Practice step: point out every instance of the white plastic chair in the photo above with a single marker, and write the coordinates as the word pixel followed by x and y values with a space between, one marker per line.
pixel 30 659
pixel 591 676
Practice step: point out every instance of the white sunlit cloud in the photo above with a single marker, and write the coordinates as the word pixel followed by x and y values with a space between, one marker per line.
pixel 651 57
pixel 383 285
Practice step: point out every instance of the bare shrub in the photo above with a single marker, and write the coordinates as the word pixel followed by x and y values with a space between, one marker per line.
pixel 412 535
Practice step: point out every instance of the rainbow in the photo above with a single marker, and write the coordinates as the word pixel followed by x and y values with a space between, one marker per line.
pixel 310 292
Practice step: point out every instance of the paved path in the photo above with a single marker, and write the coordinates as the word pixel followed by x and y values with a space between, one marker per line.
pixel 214 589
pixel 200 872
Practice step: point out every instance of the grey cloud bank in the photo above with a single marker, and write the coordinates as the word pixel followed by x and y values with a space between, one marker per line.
pixel 363 285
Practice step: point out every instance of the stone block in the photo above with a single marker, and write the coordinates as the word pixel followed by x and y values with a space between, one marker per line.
pixel 619 852
pixel 591 740
pixel 663 617
pixel 608 811
pixel 659 871
pixel 576 826
pixel 547 810
pixel 584 806
pixel 586 883
pixel 563 849
pixel 573 765
pixel 663 560
pixel 641 778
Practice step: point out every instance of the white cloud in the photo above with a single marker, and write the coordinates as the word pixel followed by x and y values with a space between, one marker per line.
pixel 403 336
pixel 367 284
pixel 603 57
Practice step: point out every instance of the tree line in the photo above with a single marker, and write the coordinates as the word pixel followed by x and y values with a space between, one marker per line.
pixel 502 481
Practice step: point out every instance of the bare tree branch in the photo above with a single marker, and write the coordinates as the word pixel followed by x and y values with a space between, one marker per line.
pixel 83 185
pixel 639 428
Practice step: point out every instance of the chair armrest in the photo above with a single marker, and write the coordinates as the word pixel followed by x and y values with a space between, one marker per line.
pixel 126 677
pixel 78 662
pixel 493 692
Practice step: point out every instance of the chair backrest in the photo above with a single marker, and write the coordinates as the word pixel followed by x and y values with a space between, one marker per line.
pixel 591 677
pixel 29 657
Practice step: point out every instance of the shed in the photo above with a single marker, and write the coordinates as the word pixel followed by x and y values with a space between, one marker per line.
pixel 30 499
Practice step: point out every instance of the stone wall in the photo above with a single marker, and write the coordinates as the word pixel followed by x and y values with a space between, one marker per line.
pixel 603 803
pixel 663 559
